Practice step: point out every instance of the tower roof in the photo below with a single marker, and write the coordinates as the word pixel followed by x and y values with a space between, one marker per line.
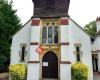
pixel 51 8
pixel 98 19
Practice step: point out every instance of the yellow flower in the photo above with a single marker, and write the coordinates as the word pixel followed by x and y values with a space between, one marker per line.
pixel 17 71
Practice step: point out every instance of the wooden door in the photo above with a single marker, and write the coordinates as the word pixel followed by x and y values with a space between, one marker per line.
pixel 50 66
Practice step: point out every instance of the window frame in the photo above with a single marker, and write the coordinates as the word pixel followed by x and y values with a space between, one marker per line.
pixel 48 25
pixel 76 52
pixel 21 46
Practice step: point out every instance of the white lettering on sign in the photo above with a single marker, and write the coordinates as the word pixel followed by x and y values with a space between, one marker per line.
pixel 45 63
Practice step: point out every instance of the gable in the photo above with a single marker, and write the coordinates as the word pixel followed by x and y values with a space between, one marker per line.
pixel 25 25
pixel 80 28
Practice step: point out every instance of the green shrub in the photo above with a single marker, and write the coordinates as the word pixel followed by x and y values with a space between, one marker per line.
pixel 79 71
pixel 17 72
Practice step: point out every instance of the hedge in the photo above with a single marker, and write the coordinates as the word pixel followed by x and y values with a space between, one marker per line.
pixel 17 72
pixel 79 71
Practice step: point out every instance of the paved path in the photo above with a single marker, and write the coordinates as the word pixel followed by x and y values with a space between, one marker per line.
pixel 96 76
pixel 4 76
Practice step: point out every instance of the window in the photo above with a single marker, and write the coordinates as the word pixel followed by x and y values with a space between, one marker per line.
pixel 22 52
pixel 56 34
pixel 44 35
pixel 50 32
pixel 78 52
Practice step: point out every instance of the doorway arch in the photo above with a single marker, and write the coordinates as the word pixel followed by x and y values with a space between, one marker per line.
pixel 50 65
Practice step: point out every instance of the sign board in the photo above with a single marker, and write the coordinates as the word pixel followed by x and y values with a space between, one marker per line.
pixel 45 63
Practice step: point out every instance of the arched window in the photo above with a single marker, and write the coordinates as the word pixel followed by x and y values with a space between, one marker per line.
pixel 50 34
pixel 55 34
pixel 44 35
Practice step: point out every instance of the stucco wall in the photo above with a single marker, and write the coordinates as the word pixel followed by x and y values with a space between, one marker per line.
pixel 98 25
pixel 65 72
pixel 96 44
pixel 98 40
pixel 33 68
pixel 77 35
pixel 33 72
pixel 64 38
pixel 35 33
pixel 35 38
pixel 21 37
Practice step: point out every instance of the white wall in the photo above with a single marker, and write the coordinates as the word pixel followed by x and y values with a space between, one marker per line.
pixel 65 71
pixel 77 35
pixel 64 33
pixel 98 25
pixel 65 53
pixel 34 56
pixel 33 68
pixel 95 45
pixel 64 39
pixel 21 37
pixel 35 33
pixel 98 40
pixel 35 37
pixel 72 33
pixel 33 71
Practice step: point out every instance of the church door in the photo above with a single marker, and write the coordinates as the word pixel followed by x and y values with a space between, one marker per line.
pixel 50 66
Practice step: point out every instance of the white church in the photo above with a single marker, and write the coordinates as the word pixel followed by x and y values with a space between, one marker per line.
pixel 50 42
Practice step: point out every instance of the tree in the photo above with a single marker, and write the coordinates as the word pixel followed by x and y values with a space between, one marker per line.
pixel 9 24
pixel 91 28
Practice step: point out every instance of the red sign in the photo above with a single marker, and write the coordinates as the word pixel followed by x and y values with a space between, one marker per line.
pixel 39 50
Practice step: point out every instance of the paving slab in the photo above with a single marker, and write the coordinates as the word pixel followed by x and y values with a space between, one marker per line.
pixel 96 76
pixel 4 76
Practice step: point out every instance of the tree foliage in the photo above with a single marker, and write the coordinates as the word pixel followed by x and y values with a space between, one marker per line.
pixel 91 28
pixel 9 24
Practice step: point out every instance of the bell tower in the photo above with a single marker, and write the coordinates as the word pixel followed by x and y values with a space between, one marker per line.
pixel 51 8
pixel 48 44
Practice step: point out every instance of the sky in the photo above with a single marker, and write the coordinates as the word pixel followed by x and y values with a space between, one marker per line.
pixel 81 11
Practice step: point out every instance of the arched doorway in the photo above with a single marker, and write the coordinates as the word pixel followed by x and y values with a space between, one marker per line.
pixel 50 65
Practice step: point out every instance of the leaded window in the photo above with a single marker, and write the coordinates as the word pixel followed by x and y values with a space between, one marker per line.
pixel 50 32
pixel 44 35
pixel 56 34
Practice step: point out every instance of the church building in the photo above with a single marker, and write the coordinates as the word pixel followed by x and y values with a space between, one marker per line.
pixel 50 42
